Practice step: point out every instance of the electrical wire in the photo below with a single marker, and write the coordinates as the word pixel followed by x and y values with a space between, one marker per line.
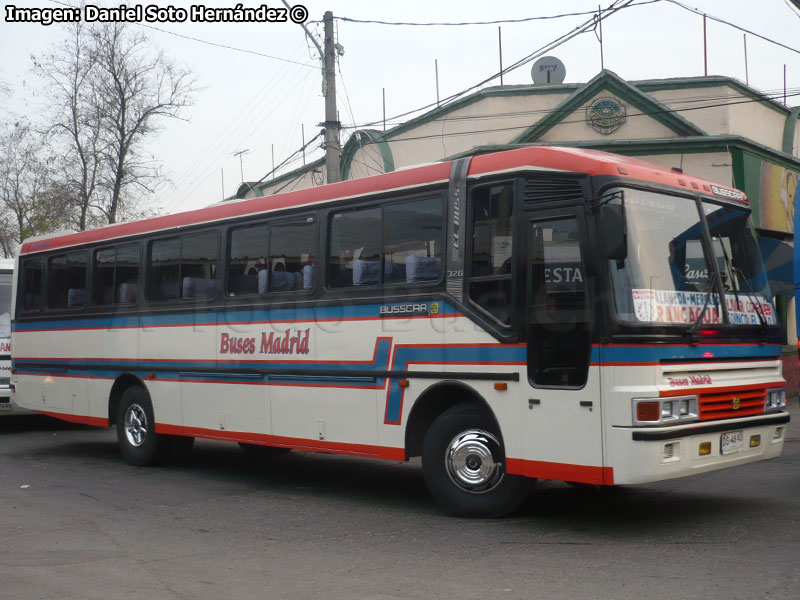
pixel 566 122
pixel 215 44
pixel 728 23
pixel 496 22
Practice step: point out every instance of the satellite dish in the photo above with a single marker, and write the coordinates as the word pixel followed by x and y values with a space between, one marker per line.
pixel 548 70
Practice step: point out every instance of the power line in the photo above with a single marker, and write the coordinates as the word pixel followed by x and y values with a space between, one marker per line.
pixel 201 41
pixel 459 24
pixel 795 92
pixel 728 23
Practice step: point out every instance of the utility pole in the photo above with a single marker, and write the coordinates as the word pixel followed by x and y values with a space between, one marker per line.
pixel 332 125
pixel 241 164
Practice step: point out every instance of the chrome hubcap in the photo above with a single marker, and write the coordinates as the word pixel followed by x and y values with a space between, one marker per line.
pixel 135 425
pixel 473 461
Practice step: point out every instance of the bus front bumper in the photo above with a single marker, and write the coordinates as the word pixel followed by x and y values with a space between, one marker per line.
pixel 656 453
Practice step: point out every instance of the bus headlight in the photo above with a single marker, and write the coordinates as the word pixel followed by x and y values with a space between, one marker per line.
pixel 776 400
pixel 665 411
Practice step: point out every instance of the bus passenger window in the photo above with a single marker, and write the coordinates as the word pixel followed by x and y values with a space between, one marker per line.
pixel 247 259
pixel 32 276
pixel 490 268
pixel 292 249
pixel 354 257
pixel 116 275
pixel 412 241
pixel 67 279
pixel 164 269
pixel 198 272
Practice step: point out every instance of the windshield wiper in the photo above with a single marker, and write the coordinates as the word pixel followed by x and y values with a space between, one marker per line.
pixel 736 274
pixel 756 304
pixel 692 331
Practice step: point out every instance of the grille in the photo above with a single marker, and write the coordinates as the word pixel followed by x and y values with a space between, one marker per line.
pixel 720 405
pixel 552 188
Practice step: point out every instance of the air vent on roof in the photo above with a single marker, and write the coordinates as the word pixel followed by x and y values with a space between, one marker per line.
pixel 552 189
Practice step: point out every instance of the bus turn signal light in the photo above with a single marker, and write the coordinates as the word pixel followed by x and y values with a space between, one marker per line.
pixel 501 387
pixel 648 411
pixel 705 449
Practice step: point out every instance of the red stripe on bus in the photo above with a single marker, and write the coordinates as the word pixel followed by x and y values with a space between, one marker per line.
pixel 712 389
pixel 560 471
pixel 265 439
pixel 80 419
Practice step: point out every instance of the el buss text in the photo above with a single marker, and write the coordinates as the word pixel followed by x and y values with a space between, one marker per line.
pixel 152 13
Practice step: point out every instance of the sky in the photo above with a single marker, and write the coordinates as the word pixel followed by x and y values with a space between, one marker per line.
pixel 254 95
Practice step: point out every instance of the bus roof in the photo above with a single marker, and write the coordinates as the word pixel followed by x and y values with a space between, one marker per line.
pixel 547 158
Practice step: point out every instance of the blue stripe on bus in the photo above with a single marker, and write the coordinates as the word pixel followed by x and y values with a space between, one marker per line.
pixel 643 354
pixel 493 356
pixel 241 316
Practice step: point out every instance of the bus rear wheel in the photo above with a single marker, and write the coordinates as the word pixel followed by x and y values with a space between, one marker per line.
pixel 136 434
pixel 463 462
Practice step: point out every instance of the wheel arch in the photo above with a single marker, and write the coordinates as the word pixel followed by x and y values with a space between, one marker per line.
pixel 436 399
pixel 123 382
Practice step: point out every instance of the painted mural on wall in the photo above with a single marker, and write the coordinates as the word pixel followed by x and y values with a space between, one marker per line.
pixel 779 190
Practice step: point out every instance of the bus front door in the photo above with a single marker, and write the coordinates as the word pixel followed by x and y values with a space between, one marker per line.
pixel 563 420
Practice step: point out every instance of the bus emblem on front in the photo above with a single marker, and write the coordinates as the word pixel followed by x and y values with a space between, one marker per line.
pixel 736 401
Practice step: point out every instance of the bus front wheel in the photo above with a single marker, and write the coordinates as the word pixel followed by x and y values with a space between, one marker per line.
pixel 138 441
pixel 463 462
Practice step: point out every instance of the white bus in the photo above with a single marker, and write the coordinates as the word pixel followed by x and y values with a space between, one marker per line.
pixel 6 280
pixel 538 313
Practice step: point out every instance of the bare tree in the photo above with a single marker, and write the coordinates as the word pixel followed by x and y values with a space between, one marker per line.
pixel 76 121
pixel 110 92
pixel 136 90
pixel 30 201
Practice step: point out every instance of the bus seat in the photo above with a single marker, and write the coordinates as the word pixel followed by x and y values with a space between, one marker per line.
pixel 421 268
pixel 283 281
pixel 76 297
pixel 128 293
pixel 394 272
pixel 366 272
pixel 199 287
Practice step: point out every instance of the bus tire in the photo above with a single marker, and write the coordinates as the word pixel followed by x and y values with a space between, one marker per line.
pixel 136 434
pixel 463 462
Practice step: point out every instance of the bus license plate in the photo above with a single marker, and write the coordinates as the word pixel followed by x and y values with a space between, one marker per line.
pixel 5 406
pixel 731 441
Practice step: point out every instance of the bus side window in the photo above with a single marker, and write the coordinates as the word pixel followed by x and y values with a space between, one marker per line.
pixel 412 241
pixel 67 281
pixel 490 275
pixel 293 247
pixel 32 277
pixel 116 275
pixel 354 257
pixel 198 269
pixel 247 260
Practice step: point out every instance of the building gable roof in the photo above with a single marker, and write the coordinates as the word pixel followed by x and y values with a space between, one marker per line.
pixel 608 81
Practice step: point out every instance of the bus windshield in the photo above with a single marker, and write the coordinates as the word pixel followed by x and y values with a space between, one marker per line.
pixel 668 276
pixel 5 305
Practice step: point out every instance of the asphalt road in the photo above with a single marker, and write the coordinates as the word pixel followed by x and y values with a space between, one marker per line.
pixel 77 523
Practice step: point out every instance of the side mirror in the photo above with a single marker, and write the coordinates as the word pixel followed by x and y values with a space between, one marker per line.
pixel 613 233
